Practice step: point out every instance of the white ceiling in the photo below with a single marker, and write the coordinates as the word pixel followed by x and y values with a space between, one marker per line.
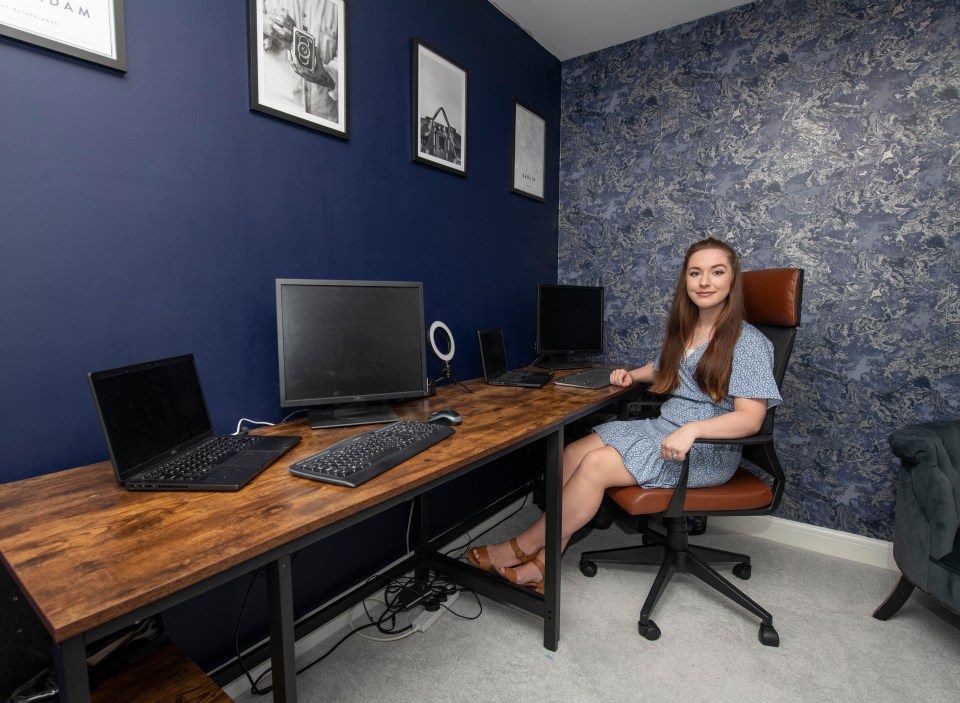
pixel 570 28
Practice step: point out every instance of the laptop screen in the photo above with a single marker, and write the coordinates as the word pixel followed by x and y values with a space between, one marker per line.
pixel 493 352
pixel 150 410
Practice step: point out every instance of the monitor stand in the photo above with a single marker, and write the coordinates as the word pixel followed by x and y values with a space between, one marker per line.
pixel 351 414
pixel 559 362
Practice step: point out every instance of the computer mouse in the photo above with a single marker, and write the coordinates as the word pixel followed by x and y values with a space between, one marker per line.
pixel 446 417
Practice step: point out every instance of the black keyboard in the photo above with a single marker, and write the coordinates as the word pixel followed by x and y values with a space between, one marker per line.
pixel 200 461
pixel 364 456
pixel 598 377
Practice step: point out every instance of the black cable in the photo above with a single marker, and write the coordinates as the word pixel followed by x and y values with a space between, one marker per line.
pixel 393 607
pixel 236 635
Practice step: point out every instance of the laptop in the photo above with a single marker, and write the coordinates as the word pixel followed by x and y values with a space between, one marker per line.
pixel 158 431
pixel 493 354
pixel 594 378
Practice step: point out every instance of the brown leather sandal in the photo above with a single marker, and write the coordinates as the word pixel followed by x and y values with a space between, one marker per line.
pixel 482 560
pixel 511 575
pixel 519 553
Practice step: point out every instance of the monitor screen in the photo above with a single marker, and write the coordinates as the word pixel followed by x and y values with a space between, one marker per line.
pixel 347 347
pixel 569 322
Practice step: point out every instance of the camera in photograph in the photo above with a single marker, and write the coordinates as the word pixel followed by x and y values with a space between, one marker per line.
pixel 304 48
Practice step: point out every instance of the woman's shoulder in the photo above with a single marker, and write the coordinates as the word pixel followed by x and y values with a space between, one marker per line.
pixel 751 337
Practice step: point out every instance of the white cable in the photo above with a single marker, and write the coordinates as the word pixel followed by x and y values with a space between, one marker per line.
pixel 261 422
pixel 252 422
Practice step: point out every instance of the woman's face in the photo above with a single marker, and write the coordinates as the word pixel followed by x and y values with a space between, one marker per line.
pixel 709 276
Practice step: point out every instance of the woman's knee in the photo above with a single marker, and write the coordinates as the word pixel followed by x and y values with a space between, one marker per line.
pixel 604 466
pixel 574 452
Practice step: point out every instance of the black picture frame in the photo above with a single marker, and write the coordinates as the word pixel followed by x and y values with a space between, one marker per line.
pixel 528 155
pixel 440 104
pixel 299 72
pixel 92 30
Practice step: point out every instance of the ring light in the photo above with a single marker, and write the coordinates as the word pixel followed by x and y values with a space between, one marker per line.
pixel 444 356
pixel 433 342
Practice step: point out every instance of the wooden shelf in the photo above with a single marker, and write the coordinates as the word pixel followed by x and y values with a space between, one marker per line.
pixel 166 676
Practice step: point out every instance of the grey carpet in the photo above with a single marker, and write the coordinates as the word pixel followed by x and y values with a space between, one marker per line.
pixel 830 646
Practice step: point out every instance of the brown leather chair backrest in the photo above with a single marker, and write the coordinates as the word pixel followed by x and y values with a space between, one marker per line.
pixel 772 296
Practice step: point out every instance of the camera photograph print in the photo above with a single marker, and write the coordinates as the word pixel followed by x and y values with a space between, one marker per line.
pixel 298 62
pixel 440 110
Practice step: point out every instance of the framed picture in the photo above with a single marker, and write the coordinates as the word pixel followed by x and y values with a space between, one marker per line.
pixel 298 62
pixel 439 110
pixel 528 157
pixel 91 30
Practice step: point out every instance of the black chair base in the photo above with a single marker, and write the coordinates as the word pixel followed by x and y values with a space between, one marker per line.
pixel 674 554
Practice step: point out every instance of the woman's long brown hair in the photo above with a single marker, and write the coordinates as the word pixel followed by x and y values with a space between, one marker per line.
pixel 713 369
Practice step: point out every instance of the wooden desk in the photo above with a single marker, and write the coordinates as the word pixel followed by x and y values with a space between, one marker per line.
pixel 92 557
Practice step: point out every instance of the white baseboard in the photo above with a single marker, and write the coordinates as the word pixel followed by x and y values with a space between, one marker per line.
pixel 864 550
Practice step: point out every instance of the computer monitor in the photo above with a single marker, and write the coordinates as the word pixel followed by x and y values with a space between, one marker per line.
pixel 347 348
pixel 569 324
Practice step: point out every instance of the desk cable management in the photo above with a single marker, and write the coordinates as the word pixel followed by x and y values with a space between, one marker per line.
pixel 400 595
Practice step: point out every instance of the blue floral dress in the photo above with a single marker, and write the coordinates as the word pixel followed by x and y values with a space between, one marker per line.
pixel 638 441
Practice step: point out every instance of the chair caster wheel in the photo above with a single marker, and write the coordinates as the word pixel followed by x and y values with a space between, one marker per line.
pixel 650 631
pixel 588 568
pixel 698 525
pixel 769 636
pixel 742 570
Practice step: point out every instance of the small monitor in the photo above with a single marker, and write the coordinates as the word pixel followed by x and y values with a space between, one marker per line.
pixel 348 348
pixel 569 324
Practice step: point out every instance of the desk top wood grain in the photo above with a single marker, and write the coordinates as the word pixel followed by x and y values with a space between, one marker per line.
pixel 86 551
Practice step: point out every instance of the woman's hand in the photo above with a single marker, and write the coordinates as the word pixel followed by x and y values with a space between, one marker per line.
pixel 620 377
pixel 745 419
pixel 676 444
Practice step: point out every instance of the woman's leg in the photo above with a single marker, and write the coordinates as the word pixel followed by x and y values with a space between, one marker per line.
pixel 588 469
pixel 502 554
pixel 598 469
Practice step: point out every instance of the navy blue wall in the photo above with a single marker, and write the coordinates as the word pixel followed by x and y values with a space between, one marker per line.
pixel 147 214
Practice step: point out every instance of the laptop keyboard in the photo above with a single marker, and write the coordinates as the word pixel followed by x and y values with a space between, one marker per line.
pixel 363 456
pixel 200 461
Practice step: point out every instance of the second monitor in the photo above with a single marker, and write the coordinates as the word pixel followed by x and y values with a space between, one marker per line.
pixel 569 324
pixel 348 348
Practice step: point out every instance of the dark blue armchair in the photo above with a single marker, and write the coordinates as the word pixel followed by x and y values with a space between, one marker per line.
pixel 926 538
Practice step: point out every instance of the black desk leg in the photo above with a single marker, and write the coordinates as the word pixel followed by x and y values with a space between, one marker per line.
pixel 70 659
pixel 282 638
pixel 421 573
pixel 554 507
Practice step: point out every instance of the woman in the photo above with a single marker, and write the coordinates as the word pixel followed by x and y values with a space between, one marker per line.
pixel 718 371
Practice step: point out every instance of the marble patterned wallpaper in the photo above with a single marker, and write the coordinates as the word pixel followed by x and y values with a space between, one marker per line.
pixel 823 134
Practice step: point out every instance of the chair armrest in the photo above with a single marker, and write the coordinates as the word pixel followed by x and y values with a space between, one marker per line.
pixel 675 507
pixel 762 438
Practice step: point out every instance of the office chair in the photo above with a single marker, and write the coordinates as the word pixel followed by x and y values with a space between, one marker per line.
pixel 772 300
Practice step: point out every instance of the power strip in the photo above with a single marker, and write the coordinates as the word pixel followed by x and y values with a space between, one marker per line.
pixel 425 619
